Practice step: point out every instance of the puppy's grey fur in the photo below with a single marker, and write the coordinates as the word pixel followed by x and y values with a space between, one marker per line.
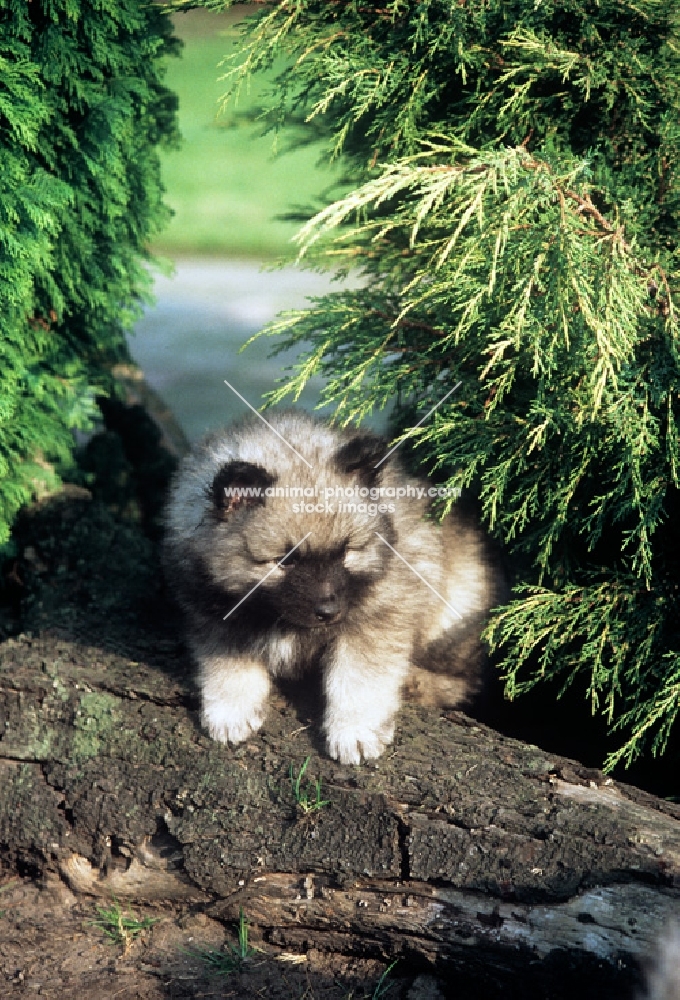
pixel 663 974
pixel 344 602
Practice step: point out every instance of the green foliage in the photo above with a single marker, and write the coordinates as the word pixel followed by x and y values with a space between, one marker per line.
pixel 234 956
pixel 307 799
pixel 515 215
pixel 82 109
pixel 382 986
pixel 121 926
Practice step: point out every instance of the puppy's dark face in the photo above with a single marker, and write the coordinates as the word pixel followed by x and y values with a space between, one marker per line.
pixel 317 586
pixel 318 589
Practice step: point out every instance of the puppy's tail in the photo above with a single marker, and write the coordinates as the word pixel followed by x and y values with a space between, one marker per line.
pixel 440 690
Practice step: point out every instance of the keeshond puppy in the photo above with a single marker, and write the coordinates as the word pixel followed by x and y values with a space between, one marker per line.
pixel 294 546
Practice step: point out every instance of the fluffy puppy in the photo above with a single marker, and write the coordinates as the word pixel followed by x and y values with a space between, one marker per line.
pixel 296 547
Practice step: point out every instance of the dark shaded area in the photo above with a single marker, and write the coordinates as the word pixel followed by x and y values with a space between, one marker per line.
pixel 563 723
pixel 87 564
pixel 132 431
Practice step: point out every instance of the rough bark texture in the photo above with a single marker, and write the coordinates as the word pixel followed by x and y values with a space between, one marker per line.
pixel 519 871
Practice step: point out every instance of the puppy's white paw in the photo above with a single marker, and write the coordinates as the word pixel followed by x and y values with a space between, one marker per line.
pixel 229 724
pixel 234 696
pixel 348 743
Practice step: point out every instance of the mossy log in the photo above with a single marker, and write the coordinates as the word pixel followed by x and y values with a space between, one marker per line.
pixel 460 846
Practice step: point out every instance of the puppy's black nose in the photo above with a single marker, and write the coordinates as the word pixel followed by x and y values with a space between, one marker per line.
pixel 328 610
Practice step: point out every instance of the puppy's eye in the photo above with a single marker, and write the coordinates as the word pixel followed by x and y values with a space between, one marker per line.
pixel 355 546
pixel 289 560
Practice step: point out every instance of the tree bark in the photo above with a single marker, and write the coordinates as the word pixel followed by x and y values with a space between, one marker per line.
pixel 459 845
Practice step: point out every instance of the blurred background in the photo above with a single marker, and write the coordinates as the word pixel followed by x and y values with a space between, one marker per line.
pixel 230 190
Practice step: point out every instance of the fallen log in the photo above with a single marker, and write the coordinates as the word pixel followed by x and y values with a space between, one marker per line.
pixel 460 847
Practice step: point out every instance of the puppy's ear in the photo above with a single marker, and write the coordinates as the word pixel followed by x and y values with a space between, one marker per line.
pixel 239 485
pixel 361 454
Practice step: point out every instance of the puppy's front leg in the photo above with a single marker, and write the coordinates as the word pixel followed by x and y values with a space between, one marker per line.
pixel 234 691
pixel 362 698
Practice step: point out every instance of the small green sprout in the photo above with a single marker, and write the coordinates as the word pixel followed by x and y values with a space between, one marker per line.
pixel 234 956
pixel 382 987
pixel 120 926
pixel 309 799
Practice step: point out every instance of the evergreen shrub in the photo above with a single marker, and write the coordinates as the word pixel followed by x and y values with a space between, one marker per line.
pixel 82 110
pixel 515 213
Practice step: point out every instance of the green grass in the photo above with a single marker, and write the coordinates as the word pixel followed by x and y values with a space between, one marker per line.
pixel 383 986
pixel 308 799
pixel 225 184
pixel 121 926
pixel 234 956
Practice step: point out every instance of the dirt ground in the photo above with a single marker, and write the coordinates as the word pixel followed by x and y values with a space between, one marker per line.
pixel 52 946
